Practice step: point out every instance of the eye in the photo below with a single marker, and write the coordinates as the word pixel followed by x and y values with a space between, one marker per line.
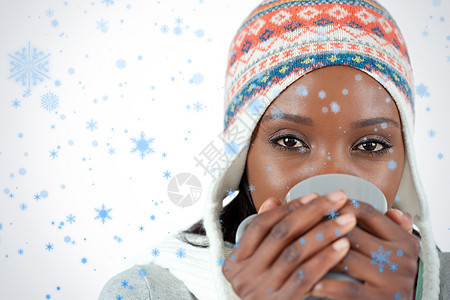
pixel 288 142
pixel 373 146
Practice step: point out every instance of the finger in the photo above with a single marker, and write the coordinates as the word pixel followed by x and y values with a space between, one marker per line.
pixel 259 227
pixel 366 269
pixel 312 242
pixel 292 226
pixel 269 204
pixel 304 277
pixel 403 219
pixel 375 222
pixel 345 290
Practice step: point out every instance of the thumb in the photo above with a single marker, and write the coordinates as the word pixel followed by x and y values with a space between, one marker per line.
pixel 403 219
pixel 269 204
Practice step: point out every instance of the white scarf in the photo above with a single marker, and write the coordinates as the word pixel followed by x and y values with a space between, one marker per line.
pixel 188 263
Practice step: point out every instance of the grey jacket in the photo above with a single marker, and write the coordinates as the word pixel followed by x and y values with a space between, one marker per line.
pixel 150 282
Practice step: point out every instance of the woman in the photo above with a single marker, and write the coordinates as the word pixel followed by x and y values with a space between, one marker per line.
pixel 312 87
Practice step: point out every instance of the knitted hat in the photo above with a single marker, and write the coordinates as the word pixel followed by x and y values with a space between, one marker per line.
pixel 279 42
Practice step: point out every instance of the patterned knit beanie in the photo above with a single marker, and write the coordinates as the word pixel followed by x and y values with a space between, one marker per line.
pixel 279 42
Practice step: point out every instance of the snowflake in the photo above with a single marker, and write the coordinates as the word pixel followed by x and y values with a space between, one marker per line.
pixel 427 109
pixel 393 267
pixel 425 33
pixel 108 2
pixel 155 252
pixel 319 237
pixel 121 63
pixel 15 103
pixel 392 165
pixel 302 90
pixel 124 283
pixel 20 251
pixel 440 156
pixel 43 194
pixel 197 78
pixel 231 148
pixel 91 125
pixel 23 206
pixel 322 94
pixel 142 272
pixel 229 192
pixel 152 217
pixel 199 33
pixel 103 213
pixel 102 25
pixel 335 107
pixel 143 145
pixel 381 258
pixel 55 23
pixel 111 151
pixel 164 155
pixel 141 228
pixel 220 261
pixel 431 133
pixel 70 219
pixel 355 203
pixel 164 28
pixel 179 21
pixel 49 13
pixel 332 214
pixel 251 188
pixel 422 90
pixel 49 101
pixel 302 240
pixel 118 239
pixel 28 67
pixel 198 106
pixel 49 247
pixel 53 153
pixel 181 253
pixel 167 174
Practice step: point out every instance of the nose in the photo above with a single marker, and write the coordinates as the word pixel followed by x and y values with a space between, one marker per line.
pixel 333 162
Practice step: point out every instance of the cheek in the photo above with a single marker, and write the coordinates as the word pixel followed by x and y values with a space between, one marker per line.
pixel 390 177
pixel 265 179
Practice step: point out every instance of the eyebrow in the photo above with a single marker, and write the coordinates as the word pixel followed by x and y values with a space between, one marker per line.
pixel 309 122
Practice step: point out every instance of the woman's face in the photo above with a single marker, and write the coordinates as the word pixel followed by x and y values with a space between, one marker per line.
pixel 336 119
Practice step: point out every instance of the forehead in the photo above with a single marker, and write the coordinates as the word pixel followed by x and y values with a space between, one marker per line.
pixel 341 92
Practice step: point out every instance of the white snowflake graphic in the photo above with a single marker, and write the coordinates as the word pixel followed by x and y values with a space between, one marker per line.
pixel 29 67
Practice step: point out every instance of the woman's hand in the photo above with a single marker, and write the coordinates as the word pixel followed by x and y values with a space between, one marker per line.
pixel 384 255
pixel 271 261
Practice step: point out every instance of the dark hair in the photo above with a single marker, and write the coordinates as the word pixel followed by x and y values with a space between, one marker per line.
pixel 230 217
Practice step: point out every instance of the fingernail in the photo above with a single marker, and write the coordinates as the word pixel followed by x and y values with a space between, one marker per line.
pixel 398 211
pixel 340 245
pixel 307 198
pixel 336 195
pixel 318 287
pixel 265 205
pixel 345 219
